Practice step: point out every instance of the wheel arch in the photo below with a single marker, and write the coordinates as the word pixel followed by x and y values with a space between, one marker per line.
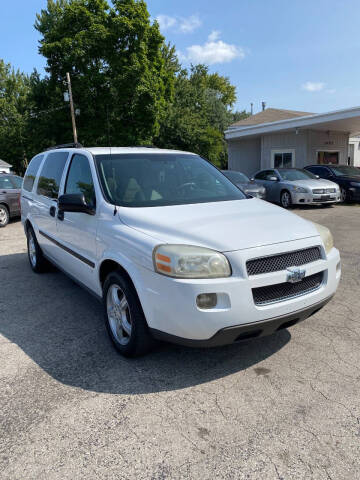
pixel 108 266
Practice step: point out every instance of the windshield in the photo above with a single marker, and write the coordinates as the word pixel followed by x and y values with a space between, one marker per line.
pixel 345 170
pixel 151 180
pixel 293 174
pixel 236 177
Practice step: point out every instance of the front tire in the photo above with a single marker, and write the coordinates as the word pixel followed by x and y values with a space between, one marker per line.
pixel 38 262
pixel 345 198
pixel 124 318
pixel 4 216
pixel 285 199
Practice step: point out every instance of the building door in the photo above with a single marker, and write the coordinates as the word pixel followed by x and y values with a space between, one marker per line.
pixel 324 158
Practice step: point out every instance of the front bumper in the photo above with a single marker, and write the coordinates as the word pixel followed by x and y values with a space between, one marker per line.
pixel 314 198
pixel 170 307
pixel 239 333
pixel 354 194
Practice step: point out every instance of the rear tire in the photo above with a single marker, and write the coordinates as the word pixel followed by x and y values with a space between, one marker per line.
pixel 4 216
pixel 38 262
pixel 124 318
pixel 285 199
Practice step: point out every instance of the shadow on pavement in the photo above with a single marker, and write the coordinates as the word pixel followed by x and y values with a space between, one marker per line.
pixel 60 327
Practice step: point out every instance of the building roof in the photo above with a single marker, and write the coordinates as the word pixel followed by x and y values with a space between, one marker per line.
pixel 4 164
pixel 270 115
pixel 347 121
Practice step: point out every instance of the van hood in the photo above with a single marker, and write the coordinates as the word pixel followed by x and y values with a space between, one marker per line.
pixel 222 226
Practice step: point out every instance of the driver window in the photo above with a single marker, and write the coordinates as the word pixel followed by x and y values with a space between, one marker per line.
pixel 79 179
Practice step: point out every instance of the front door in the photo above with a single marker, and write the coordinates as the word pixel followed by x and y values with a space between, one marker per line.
pixel 76 232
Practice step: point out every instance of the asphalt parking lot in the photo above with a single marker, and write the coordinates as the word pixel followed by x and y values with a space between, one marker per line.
pixel 281 407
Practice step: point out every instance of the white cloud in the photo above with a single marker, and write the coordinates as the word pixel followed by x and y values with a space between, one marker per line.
pixel 214 51
pixel 188 25
pixel 179 24
pixel 166 22
pixel 313 86
pixel 214 35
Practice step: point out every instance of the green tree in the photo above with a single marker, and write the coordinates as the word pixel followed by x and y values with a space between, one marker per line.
pixel 115 57
pixel 14 93
pixel 200 112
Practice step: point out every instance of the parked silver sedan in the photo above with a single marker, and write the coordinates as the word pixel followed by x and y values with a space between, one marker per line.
pixel 294 186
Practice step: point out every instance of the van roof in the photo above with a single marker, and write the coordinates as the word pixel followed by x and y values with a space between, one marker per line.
pixel 122 150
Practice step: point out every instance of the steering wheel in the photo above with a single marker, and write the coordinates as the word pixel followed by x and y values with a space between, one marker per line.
pixel 189 185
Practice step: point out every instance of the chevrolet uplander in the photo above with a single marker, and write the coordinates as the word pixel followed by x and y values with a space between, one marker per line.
pixel 172 247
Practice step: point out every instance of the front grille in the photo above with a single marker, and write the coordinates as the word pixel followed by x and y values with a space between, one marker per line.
pixel 276 263
pixel 284 291
pixel 324 190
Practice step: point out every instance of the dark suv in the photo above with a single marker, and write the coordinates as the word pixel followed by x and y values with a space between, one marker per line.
pixel 348 179
pixel 10 189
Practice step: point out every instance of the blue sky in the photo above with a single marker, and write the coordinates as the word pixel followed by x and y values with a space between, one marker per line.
pixel 295 54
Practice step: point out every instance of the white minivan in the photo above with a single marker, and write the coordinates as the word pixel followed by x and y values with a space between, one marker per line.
pixel 174 249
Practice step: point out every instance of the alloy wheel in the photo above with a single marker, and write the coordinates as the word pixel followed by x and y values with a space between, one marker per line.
pixel 3 216
pixel 32 249
pixel 285 199
pixel 118 313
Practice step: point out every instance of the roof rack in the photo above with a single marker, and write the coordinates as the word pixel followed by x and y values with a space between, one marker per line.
pixel 65 145
pixel 143 146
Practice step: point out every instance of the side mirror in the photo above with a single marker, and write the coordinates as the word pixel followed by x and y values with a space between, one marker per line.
pixel 272 178
pixel 75 202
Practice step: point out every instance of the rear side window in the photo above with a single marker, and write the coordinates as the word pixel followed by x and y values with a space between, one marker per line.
pixel 321 171
pixel 31 172
pixel 5 183
pixel 51 173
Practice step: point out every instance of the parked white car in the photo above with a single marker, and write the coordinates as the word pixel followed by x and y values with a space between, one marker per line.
pixel 173 248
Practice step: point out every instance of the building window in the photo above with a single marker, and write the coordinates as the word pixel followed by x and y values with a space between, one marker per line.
pixel 283 158
pixel 324 158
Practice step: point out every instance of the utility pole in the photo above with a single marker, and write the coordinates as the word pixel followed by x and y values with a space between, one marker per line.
pixel 68 81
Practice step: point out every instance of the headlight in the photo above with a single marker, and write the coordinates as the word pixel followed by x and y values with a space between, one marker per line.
pixel 300 189
pixel 326 236
pixel 187 261
pixel 355 184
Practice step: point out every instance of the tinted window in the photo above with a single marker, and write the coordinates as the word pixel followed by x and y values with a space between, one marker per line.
pixel 31 172
pixel 51 173
pixel 264 174
pixel 146 180
pixel 17 181
pixel 323 172
pixel 345 170
pixel 79 179
pixel 5 183
pixel 236 176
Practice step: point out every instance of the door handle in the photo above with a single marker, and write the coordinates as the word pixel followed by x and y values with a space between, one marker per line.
pixel 52 211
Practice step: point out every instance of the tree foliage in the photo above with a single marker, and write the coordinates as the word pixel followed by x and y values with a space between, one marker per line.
pixel 114 55
pixel 127 82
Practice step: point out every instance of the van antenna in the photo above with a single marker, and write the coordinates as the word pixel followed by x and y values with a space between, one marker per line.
pixel 109 141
